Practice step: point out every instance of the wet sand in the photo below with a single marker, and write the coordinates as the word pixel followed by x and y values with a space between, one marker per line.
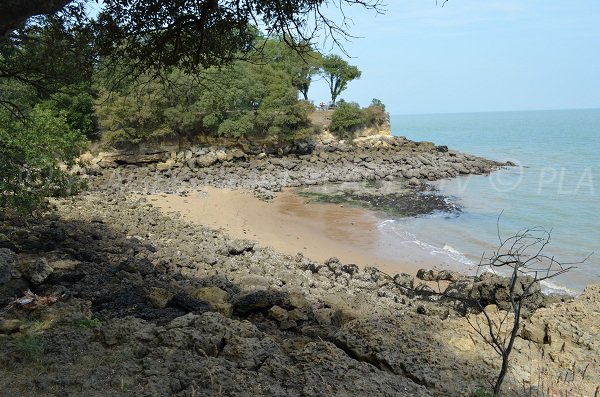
pixel 288 224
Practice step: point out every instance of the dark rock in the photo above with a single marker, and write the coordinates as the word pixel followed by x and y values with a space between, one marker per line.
pixel 404 281
pixel 188 304
pixel 238 247
pixel 12 289
pixel 258 301
pixel 427 275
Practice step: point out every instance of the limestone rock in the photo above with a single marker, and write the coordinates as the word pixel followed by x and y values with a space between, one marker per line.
pixel 278 313
pixel 8 265
pixel 37 271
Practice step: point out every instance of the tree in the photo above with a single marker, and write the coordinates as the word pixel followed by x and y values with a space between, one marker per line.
pixel 337 72
pixel 300 61
pixel 346 118
pixel 46 108
pixel 155 34
pixel 242 99
pixel 522 257
pixel 31 154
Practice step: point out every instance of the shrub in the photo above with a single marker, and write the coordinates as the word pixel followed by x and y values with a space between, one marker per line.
pixel 35 156
pixel 375 115
pixel 346 119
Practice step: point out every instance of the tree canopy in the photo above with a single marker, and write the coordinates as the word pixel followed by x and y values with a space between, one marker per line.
pixel 338 73
pixel 191 33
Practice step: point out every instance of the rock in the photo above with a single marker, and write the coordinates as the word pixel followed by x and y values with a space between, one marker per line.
pixel 12 289
pixel 158 297
pixel 191 163
pixel 253 281
pixel 297 315
pixel 207 160
pixel 448 275
pixel 535 333
pixel 424 290
pixel 238 247
pixel 209 294
pixel 64 265
pixel 165 166
pixel 216 297
pixel 8 265
pixel 9 326
pixel 414 181
pixel 277 313
pixel 188 304
pixel 404 281
pixel 427 275
pixel 257 301
pixel 36 272
pixel 324 316
pixel 287 324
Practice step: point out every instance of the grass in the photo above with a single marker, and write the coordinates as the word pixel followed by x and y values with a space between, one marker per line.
pixel 481 391
pixel 30 347
pixel 89 322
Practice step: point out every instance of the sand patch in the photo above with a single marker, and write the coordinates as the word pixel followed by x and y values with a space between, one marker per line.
pixel 288 224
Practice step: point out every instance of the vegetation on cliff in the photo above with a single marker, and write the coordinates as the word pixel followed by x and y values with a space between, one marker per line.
pixel 348 117
pixel 129 77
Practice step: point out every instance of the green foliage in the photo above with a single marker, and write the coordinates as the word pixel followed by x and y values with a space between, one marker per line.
pixel 346 118
pixel 30 347
pixel 481 391
pixel 35 156
pixel 76 104
pixel 300 62
pixel 375 115
pixel 89 322
pixel 245 99
pixel 338 73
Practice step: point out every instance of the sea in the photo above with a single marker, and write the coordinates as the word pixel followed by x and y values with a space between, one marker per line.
pixel 555 185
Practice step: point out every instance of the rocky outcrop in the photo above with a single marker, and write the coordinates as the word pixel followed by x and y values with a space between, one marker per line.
pixel 301 164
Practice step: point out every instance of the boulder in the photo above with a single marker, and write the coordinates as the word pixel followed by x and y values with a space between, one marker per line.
pixel 207 160
pixel 37 271
pixel 257 301
pixel 158 297
pixel 8 265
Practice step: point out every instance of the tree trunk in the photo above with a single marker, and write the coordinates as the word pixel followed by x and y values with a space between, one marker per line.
pixel 13 13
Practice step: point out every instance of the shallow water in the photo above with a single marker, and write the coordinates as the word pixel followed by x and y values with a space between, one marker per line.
pixel 555 185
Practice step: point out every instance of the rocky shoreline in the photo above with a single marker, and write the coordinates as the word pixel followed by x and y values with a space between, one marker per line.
pixel 132 301
pixel 378 157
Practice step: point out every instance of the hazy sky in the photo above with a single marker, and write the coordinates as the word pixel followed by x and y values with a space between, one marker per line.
pixel 475 55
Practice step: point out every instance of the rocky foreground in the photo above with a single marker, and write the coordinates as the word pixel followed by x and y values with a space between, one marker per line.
pixel 150 305
pixel 126 300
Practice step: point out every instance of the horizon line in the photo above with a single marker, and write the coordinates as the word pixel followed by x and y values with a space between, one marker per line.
pixel 493 111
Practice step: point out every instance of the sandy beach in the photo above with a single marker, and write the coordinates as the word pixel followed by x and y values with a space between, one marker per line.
pixel 289 224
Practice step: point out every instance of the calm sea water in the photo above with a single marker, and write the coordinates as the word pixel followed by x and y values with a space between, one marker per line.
pixel 556 185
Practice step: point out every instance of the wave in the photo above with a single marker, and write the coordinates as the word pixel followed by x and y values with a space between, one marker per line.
pixel 406 238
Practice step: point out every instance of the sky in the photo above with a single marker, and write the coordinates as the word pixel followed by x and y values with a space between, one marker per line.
pixel 474 56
